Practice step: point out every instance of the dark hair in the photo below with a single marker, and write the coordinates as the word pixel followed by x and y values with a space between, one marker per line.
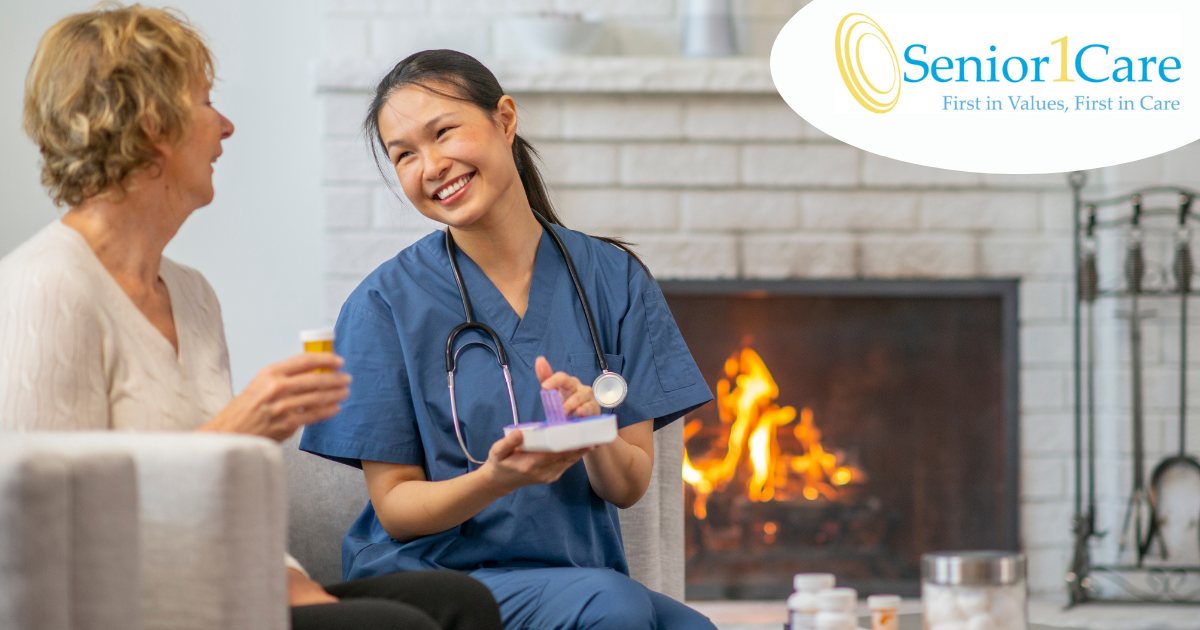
pixel 470 81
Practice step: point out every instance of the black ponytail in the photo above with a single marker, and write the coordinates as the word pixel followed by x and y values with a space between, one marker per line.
pixel 471 81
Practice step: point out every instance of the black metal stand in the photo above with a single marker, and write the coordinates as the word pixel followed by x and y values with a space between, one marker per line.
pixel 1157 583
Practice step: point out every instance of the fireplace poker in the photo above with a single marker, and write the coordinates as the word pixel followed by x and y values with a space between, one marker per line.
pixel 1135 271
pixel 1080 560
pixel 1089 289
pixel 1088 283
pixel 1184 268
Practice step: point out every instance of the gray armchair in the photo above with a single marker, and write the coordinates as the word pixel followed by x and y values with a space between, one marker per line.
pixel 325 497
pixel 68 536
pixel 131 531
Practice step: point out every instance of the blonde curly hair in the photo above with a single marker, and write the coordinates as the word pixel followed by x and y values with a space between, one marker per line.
pixel 104 86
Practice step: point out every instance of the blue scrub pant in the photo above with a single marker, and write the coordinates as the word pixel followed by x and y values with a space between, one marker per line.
pixel 583 599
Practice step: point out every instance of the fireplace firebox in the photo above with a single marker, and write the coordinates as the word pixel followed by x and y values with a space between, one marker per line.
pixel 858 424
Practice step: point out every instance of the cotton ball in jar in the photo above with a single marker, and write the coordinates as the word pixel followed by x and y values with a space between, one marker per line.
pixel 972 601
pixel 949 625
pixel 1007 609
pixel 981 621
pixel 940 605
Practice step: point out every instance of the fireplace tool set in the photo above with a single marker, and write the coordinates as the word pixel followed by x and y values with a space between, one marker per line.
pixel 1156 573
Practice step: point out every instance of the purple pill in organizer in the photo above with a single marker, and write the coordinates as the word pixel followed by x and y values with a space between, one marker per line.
pixel 552 404
pixel 559 433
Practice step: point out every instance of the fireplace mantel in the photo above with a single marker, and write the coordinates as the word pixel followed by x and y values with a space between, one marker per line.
pixel 609 75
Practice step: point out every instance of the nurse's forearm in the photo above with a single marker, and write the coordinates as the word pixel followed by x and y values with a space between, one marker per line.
pixel 620 471
pixel 411 508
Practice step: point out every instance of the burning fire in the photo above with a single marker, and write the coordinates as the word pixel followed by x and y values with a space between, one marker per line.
pixel 745 402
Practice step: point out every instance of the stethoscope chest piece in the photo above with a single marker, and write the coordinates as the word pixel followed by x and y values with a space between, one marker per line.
pixel 609 389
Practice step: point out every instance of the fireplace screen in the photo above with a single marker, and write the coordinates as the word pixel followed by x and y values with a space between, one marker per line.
pixel 857 425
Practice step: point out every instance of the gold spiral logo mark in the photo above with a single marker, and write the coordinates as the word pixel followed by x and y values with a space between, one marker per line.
pixel 853 30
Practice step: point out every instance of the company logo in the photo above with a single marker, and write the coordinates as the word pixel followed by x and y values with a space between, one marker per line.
pixel 853 33
pixel 1037 86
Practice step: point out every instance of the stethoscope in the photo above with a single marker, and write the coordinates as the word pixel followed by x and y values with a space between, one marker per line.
pixel 609 388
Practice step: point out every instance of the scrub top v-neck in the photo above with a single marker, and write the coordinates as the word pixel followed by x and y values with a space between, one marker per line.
pixel 392 332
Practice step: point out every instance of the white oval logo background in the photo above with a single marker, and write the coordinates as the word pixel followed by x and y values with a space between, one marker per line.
pixel 852 69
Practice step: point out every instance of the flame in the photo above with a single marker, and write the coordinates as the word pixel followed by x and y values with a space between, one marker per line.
pixel 694 477
pixel 745 402
pixel 821 470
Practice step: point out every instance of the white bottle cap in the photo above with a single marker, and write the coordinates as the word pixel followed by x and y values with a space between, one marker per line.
pixel 803 601
pixel 883 602
pixel 316 334
pixel 841 600
pixel 836 621
pixel 813 581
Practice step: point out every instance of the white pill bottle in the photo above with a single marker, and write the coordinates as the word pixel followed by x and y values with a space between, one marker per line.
pixel 837 609
pixel 974 590
pixel 802 605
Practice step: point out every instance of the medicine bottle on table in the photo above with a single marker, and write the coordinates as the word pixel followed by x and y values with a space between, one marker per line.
pixel 837 609
pixel 885 611
pixel 802 605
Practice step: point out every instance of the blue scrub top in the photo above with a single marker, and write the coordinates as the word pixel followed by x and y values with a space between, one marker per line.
pixel 392 332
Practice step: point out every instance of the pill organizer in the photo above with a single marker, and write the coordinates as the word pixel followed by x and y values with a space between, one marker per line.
pixel 560 433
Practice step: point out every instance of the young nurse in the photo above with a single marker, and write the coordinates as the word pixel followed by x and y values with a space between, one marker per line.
pixel 539 529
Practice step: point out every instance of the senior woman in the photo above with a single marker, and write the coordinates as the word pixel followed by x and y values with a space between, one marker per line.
pixel 98 330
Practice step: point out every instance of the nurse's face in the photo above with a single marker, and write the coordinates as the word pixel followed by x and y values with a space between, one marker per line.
pixel 453 159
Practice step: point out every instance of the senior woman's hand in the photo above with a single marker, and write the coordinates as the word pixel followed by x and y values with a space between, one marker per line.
pixel 285 396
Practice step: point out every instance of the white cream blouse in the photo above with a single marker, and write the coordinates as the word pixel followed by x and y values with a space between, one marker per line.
pixel 77 354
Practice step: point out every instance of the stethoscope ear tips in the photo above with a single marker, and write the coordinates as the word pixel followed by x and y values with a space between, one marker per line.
pixel 609 389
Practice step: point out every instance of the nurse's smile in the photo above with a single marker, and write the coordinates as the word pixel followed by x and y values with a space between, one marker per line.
pixel 454 191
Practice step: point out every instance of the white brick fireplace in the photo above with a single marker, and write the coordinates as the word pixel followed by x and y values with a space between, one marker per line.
pixel 703 166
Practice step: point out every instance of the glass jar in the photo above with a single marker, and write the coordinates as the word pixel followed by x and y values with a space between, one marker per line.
pixel 974 590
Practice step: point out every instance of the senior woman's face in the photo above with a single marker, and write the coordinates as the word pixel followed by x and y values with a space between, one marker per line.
pixel 189 164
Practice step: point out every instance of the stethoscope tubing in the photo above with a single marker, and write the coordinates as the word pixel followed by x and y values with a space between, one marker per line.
pixel 454 410
pixel 583 301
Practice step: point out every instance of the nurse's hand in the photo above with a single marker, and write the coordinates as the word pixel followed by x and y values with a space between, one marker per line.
pixel 578 399
pixel 285 396
pixel 510 468
pixel 619 472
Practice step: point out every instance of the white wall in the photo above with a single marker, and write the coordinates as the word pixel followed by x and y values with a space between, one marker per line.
pixel 645 28
pixel 260 243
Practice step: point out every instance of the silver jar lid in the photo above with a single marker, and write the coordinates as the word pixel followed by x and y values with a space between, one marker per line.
pixel 977 568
